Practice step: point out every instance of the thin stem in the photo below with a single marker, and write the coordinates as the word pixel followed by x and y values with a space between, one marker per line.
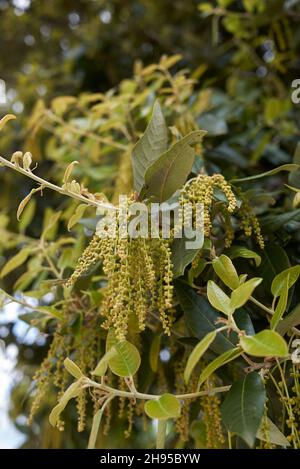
pixel 26 305
pixel 54 187
pixel 262 306
pixel 161 434
pixel 229 440
pixel 138 395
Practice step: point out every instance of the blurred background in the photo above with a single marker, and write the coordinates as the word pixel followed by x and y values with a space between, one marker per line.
pixel 245 52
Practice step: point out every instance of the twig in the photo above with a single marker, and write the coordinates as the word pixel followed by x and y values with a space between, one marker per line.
pixel 139 395
pixel 56 188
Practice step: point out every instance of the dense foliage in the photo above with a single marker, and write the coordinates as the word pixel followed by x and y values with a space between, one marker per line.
pixel 204 340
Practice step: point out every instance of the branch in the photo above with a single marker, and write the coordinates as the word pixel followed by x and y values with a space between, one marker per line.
pixel 54 187
pixel 139 395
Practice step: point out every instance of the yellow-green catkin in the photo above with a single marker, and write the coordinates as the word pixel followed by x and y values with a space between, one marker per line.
pixel 130 414
pixel 89 257
pixel 65 344
pixel 291 403
pixel 183 422
pixel 210 405
pixel 228 228
pixel 250 223
pixel 43 376
pixel 200 190
pixel 139 278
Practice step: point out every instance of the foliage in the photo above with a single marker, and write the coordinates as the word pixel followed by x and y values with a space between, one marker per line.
pixel 214 349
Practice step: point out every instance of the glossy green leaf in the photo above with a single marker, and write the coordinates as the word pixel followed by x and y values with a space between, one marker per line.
pixel 200 317
pixel 126 361
pixel 274 261
pixel 225 270
pixel 196 270
pixel 197 353
pixel 291 320
pixel 218 299
pixel 270 433
pixel 282 303
pixel 166 407
pixel 265 344
pixel 274 222
pixel 151 145
pixel 279 282
pixel 181 256
pixel 240 251
pixel 243 407
pixel 226 357
pixel 241 295
pixel 168 173
pixel 284 167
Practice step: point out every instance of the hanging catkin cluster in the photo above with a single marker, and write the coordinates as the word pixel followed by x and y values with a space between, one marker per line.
pixel 139 279
pixel 250 223
pixel 200 190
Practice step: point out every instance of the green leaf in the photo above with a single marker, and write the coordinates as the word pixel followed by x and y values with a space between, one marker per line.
pixel 294 177
pixel 270 433
pixel 151 145
pixel 197 353
pixel 291 320
pixel 241 295
pixel 5 119
pixel 27 215
pixel 182 257
pixel 225 270
pixel 278 284
pixel 15 262
pixel 196 270
pixel 281 305
pixel 73 369
pixel 264 344
pixel 72 391
pixel 271 223
pixel 218 299
pixel 226 357
pixel 50 224
pixel 51 311
pixel 166 407
pixel 243 407
pixel 239 251
pixel 198 433
pixel 168 173
pixel 154 353
pixel 284 167
pixel 200 317
pixel 274 261
pixel 126 361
